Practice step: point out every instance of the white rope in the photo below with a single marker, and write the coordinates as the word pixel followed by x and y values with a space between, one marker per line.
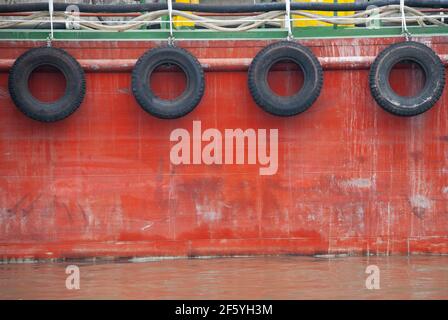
pixel 216 22
pixel 170 13
pixel 288 19
pixel 50 10
pixel 387 14
pixel 404 27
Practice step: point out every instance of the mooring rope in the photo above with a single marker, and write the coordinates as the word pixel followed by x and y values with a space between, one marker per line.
pixel 288 19
pixel 51 10
pixel 404 27
pixel 170 13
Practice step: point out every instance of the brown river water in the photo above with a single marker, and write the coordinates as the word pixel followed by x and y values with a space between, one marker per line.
pixel 415 277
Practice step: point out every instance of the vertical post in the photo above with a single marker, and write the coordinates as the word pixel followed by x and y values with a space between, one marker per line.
pixel 164 19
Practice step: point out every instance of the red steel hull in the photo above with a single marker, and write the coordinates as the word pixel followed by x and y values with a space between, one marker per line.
pixel 351 178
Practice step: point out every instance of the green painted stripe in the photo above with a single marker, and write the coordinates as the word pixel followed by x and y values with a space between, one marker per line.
pixel 300 33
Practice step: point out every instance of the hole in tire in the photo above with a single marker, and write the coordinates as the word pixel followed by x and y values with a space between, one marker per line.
pixel 285 78
pixel 407 78
pixel 47 84
pixel 168 81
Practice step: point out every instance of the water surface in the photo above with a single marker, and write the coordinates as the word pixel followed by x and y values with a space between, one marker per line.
pixel 418 277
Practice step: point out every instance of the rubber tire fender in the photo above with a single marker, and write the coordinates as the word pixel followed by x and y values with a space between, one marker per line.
pixel 429 62
pixel 161 108
pixel 47 111
pixel 258 78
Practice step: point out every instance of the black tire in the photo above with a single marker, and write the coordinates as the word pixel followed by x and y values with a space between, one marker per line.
pixel 39 110
pixel 262 93
pixel 161 108
pixel 429 62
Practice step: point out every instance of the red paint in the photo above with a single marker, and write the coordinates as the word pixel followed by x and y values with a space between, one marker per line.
pixel 289 74
pixel 168 82
pixel 47 84
pixel 407 79
pixel 352 178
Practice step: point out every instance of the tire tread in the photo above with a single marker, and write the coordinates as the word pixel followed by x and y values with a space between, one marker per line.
pixel 18 101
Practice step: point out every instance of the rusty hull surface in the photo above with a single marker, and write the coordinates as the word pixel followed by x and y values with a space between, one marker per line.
pixel 351 179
